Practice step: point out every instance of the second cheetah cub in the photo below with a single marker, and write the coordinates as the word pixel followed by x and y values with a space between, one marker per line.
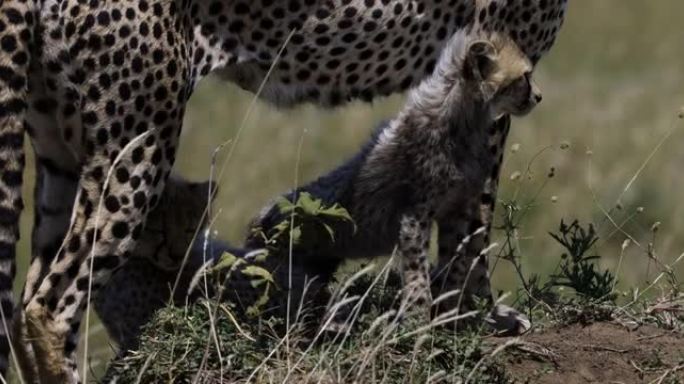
pixel 425 165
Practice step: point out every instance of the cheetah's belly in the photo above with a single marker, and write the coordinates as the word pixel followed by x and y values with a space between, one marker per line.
pixel 351 49
pixel 346 49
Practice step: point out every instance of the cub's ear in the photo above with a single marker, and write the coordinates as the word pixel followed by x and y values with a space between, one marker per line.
pixel 480 60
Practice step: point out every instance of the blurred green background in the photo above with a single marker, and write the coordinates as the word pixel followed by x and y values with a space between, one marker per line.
pixel 613 84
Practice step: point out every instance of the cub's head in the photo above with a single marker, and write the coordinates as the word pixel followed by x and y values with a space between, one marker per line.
pixel 495 67
pixel 171 226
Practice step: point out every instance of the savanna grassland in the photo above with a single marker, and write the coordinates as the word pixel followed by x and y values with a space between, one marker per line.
pixel 602 147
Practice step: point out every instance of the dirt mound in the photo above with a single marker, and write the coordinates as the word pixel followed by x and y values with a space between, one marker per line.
pixel 598 353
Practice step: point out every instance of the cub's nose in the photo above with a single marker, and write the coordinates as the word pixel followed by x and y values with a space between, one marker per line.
pixel 537 98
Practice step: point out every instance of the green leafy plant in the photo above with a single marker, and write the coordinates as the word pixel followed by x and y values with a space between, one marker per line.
pixel 578 267
pixel 310 222
pixel 260 279
pixel 312 225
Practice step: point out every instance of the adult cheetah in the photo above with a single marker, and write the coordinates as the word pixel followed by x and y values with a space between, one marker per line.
pixel 101 87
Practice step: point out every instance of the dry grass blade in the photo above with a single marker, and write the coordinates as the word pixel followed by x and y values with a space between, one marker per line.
pixel 673 127
pixel 252 104
pixel 660 276
pixel 266 359
pixel 313 342
pixel 434 324
pixel 13 354
pixel 497 350
pixel 144 368
pixel 355 312
pixel 291 246
pixel 199 228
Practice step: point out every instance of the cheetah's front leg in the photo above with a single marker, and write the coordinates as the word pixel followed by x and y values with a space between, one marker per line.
pixel 54 313
pixel 412 249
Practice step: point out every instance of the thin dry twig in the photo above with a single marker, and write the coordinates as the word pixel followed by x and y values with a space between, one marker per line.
pixel 11 346
pixel 603 348
pixel 144 367
pixel 651 337
pixel 538 350
pixel 667 373
pixel 673 127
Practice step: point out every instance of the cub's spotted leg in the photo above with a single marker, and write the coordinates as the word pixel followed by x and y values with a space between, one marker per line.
pixel 464 233
pixel 412 249
pixel 502 318
pixel 497 144
pixel 459 268
pixel 117 216
pixel 463 237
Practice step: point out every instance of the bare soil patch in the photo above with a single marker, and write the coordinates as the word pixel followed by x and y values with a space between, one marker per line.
pixel 598 353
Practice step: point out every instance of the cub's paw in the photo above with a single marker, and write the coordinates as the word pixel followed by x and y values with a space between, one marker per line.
pixel 506 321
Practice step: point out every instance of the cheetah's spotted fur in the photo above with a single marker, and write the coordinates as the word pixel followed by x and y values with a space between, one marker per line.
pixel 101 87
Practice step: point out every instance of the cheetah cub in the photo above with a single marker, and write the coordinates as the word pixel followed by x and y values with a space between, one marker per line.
pixel 425 165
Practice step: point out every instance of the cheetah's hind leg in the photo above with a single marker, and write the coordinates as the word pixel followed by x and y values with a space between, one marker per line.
pixel 48 345
pixel 22 348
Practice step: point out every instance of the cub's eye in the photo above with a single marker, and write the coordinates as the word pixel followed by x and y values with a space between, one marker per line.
pixel 521 81
pixel 516 84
